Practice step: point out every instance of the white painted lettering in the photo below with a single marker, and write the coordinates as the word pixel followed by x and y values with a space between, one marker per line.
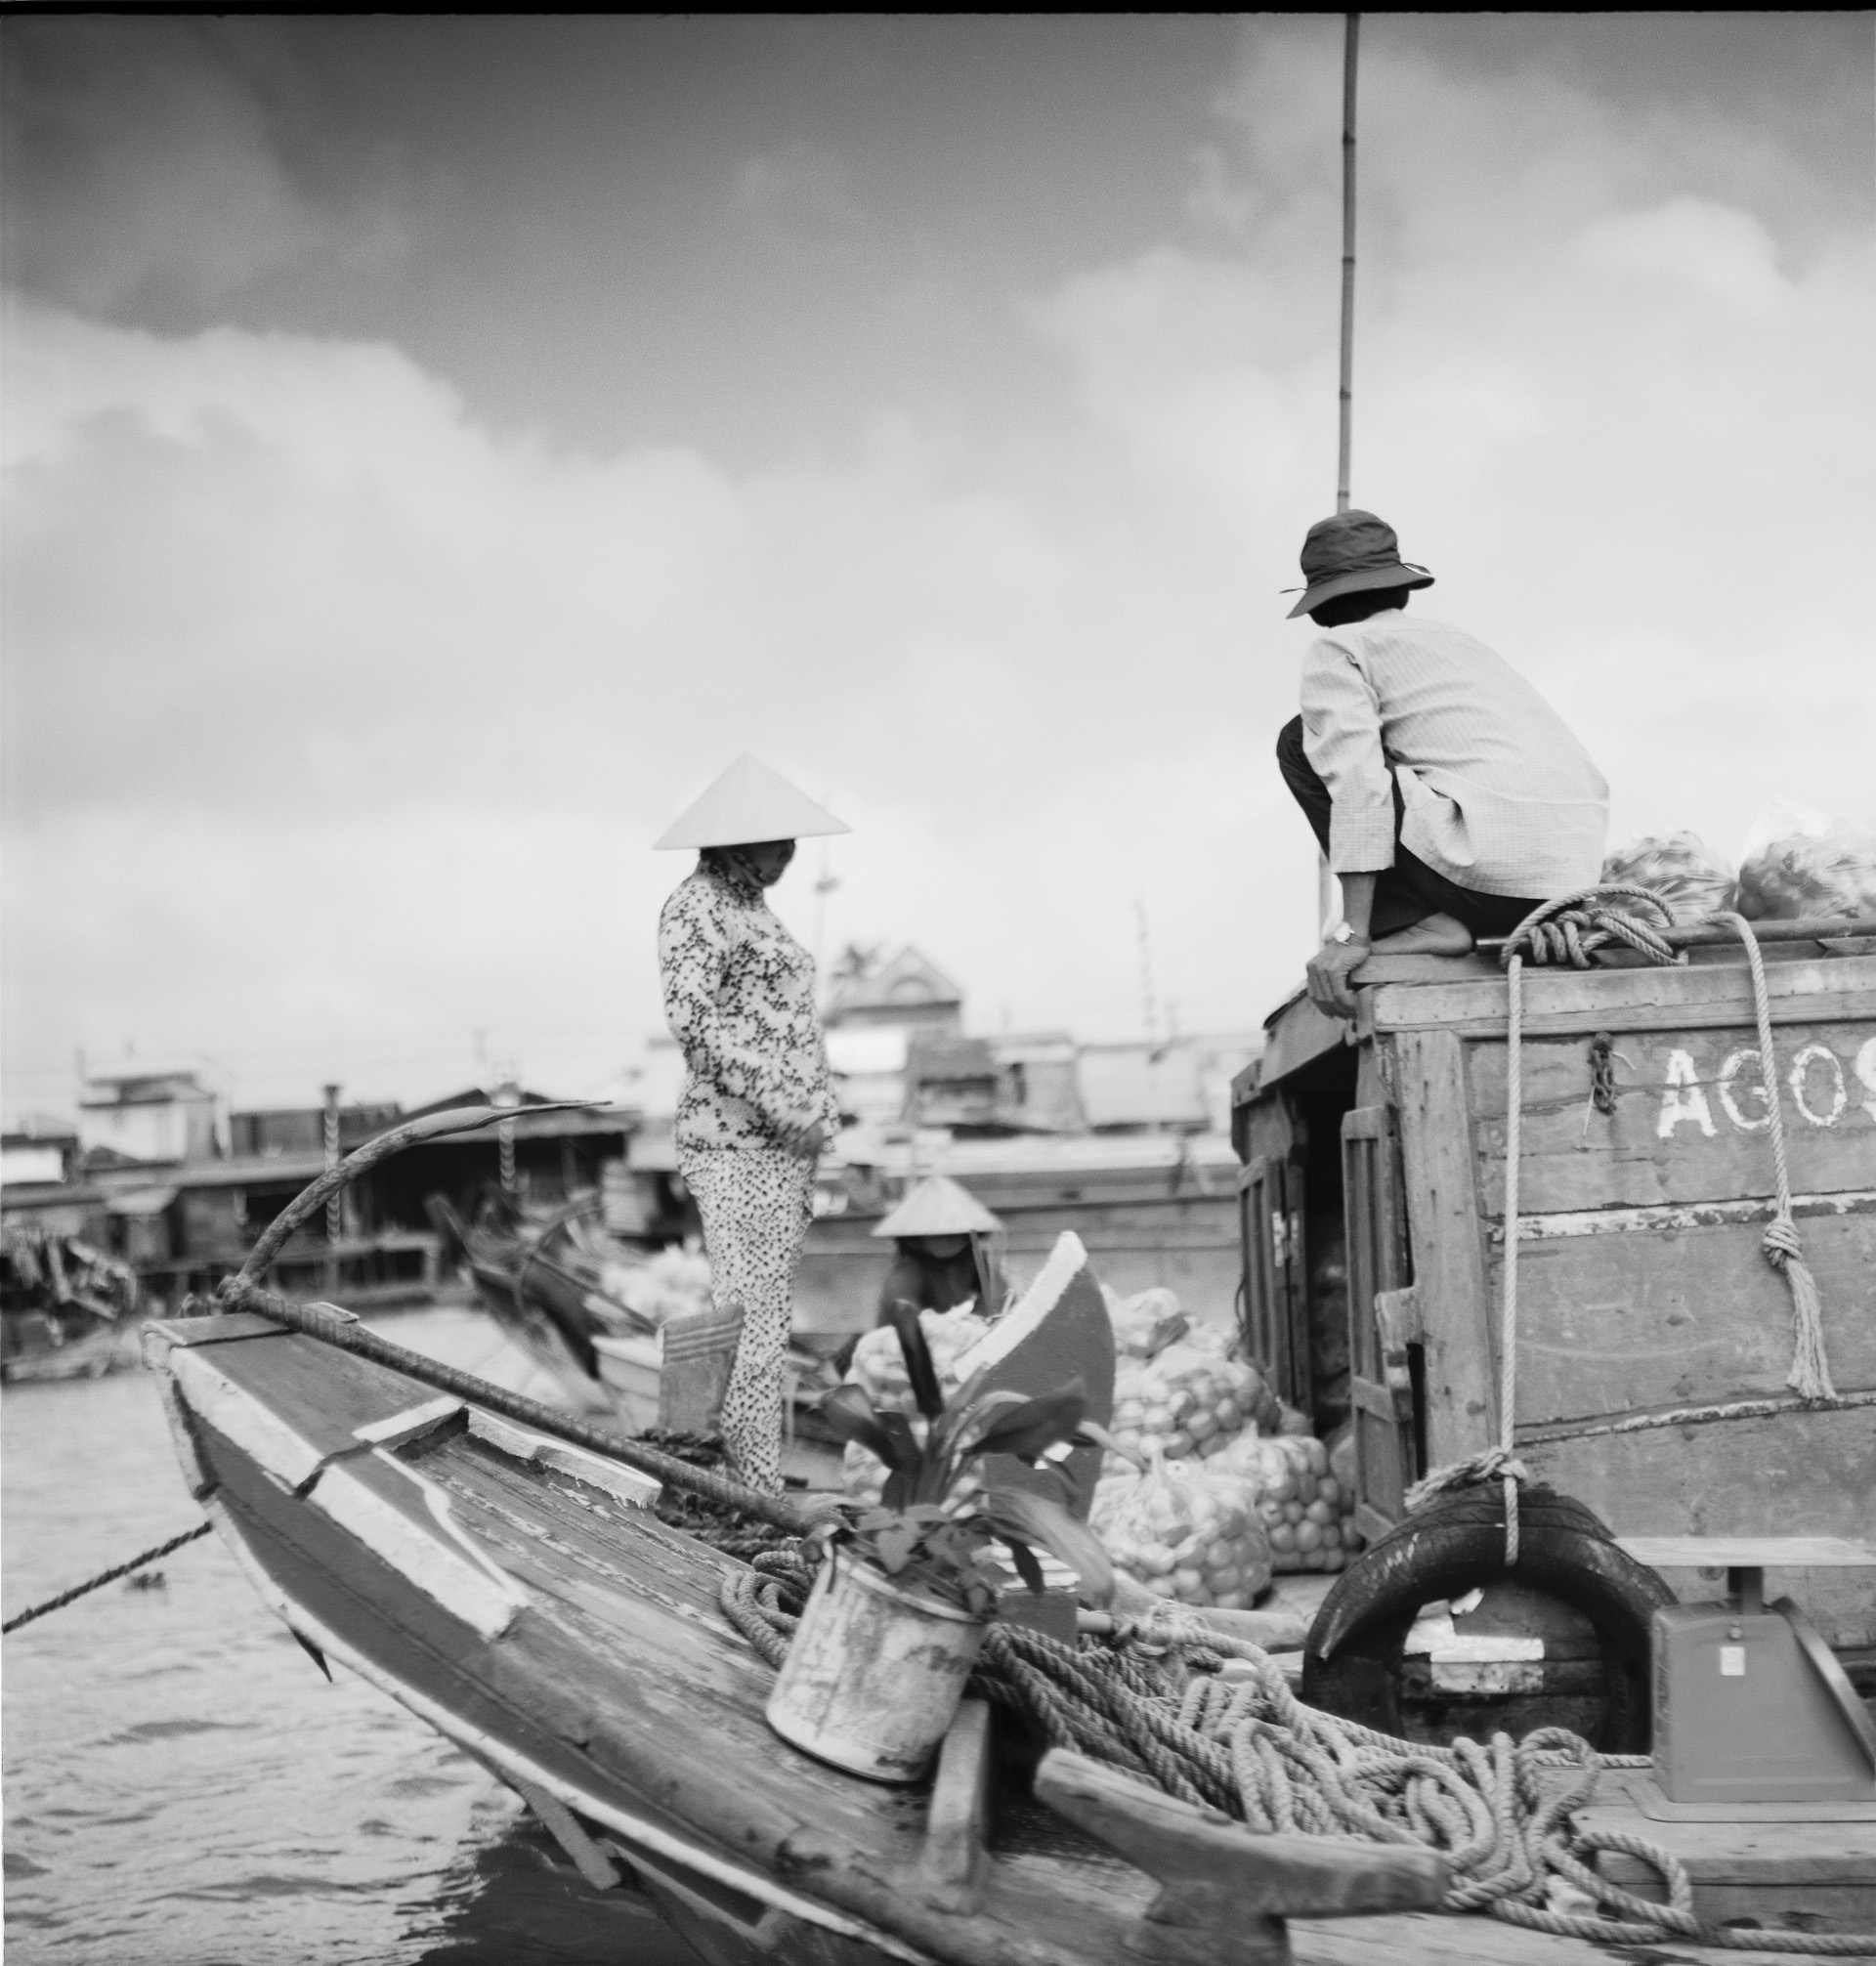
pixel 1684 1099
pixel 1867 1072
pixel 1737 1062
pixel 1798 1080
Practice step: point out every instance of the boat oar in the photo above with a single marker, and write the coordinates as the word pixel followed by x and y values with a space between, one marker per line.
pixel 342 1328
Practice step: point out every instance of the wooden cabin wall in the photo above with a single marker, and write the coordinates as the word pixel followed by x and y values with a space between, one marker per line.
pixel 1645 1179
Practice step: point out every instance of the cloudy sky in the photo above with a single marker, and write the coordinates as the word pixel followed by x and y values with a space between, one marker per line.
pixel 435 447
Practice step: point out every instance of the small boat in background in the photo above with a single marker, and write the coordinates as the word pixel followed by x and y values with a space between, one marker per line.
pixel 64 1307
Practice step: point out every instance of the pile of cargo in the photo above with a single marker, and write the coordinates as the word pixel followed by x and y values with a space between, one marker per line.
pixel 1224 1484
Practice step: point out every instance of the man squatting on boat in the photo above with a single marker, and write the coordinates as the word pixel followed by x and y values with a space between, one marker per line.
pixel 757 1105
pixel 1450 798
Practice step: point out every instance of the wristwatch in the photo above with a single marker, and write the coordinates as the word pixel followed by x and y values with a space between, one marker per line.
pixel 1343 933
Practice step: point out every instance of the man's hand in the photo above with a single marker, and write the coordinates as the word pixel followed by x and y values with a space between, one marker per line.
pixel 1328 971
pixel 802 1134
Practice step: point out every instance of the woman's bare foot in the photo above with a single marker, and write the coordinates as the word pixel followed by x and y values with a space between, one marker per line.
pixel 1437 935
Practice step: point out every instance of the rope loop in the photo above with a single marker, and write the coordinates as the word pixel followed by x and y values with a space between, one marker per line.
pixel 1568 930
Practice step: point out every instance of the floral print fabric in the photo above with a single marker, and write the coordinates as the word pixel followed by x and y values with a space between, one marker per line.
pixel 739 997
pixel 755 1208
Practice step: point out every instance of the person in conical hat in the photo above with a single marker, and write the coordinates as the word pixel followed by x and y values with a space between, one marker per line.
pixel 757 1105
pixel 947 1254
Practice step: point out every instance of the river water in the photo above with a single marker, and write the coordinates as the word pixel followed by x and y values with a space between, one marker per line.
pixel 182 1787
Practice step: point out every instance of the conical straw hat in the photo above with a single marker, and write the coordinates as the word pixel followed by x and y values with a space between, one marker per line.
pixel 939 1207
pixel 747 803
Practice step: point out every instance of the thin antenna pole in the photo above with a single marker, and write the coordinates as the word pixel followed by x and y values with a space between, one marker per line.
pixel 1349 49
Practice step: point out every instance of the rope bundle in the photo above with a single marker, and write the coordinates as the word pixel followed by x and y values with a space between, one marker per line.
pixel 1213 1720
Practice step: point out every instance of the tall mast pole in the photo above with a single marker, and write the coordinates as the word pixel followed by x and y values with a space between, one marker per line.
pixel 1350 39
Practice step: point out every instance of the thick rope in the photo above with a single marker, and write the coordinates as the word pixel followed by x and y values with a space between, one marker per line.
pixel 104 1577
pixel 1213 1720
pixel 1810 1373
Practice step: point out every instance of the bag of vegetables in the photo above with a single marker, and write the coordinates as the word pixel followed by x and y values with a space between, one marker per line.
pixel 1306 1512
pixel 1145 1324
pixel 1185 1532
pixel 1188 1402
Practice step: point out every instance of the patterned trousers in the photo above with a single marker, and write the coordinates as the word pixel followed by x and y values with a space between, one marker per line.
pixel 756 1205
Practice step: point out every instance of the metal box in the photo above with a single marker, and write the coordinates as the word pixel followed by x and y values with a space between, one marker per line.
pixel 1741 1714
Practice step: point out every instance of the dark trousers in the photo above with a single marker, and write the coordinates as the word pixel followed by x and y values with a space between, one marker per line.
pixel 1410 890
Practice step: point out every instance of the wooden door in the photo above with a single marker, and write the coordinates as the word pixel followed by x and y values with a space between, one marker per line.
pixel 1381 1318
pixel 1276 1319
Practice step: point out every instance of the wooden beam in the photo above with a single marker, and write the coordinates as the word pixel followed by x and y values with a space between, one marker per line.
pixel 1448 1255
pixel 953 1864
pixel 1227 1889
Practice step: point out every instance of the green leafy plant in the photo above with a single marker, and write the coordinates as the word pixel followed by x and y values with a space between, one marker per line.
pixel 934 1526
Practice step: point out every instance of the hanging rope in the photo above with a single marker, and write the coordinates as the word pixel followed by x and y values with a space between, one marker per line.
pixel 1810 1373
pixel 104 1577
pixel 1213 1720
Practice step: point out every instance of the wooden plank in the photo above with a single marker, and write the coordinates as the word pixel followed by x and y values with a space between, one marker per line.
pixel 1448 1261
pixel 1837 987
pixel 1211 1864
pixel 1736 1477
pixel 1667 1553
pixel 953 1860
pixel 1682 1315
pixel 1689 1121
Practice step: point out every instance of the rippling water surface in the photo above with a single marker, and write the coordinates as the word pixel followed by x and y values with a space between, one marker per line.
pixel 182 1787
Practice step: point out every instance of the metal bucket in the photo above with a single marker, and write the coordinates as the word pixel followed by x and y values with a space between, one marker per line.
pixel 873 1675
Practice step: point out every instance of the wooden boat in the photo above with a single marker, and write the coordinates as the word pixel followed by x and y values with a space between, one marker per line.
pixel 1654 1338
pixel 542 1287
pixel 64 1309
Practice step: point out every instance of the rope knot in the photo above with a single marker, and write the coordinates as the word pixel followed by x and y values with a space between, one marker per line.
pixel 1572 927
pixel 1495 1464
pixel 1780 1242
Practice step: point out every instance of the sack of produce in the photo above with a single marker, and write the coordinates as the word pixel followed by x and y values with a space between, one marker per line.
pixel 1185 1532
pixel 1306 1512
pixel 1146 1324
pixel 1691 879
pixel 880 1367
pixel 1188 1401
pixel 1801 863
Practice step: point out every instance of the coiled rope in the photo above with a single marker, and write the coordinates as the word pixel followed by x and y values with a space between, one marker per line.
pixel 1570 929
pixel 1213 1720
pixel 104 1577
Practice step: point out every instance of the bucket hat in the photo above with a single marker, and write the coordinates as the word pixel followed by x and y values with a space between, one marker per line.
pixel 750 802
pixel 938 1205
pixel 1350 553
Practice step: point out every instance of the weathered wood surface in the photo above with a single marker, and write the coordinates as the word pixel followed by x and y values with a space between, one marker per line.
pixel 1737 1478
pixel 1557 1001
pixel 1424 1939
pixel 1683 1316
pixel 1689 1123
pixel 1448 1245
pixel 954 1860
pixel 1843 1552
pixel 619 1683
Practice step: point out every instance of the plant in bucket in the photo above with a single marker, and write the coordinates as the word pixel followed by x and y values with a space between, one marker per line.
pixel 892 1627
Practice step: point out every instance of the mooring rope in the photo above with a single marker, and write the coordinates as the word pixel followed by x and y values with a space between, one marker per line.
pixel 1213 1720
pixel 1810 1373
pixel 104 1577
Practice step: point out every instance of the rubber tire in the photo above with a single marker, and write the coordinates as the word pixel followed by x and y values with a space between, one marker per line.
pixel 1352 1659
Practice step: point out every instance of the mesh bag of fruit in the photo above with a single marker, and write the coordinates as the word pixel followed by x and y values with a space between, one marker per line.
pixel 1305 1510
pixel 1145 1324
pixel 1185 1531
pixel 1188 1402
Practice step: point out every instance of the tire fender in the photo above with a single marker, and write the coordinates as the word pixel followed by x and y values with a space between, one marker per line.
pixel 1351 1658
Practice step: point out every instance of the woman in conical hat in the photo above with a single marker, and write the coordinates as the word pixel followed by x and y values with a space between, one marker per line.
pixel 758 1106
pixel 946 1253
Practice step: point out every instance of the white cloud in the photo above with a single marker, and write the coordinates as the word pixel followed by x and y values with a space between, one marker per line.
pixel 338 720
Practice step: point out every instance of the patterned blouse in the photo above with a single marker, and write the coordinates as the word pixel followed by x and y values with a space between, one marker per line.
pixel 739 997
